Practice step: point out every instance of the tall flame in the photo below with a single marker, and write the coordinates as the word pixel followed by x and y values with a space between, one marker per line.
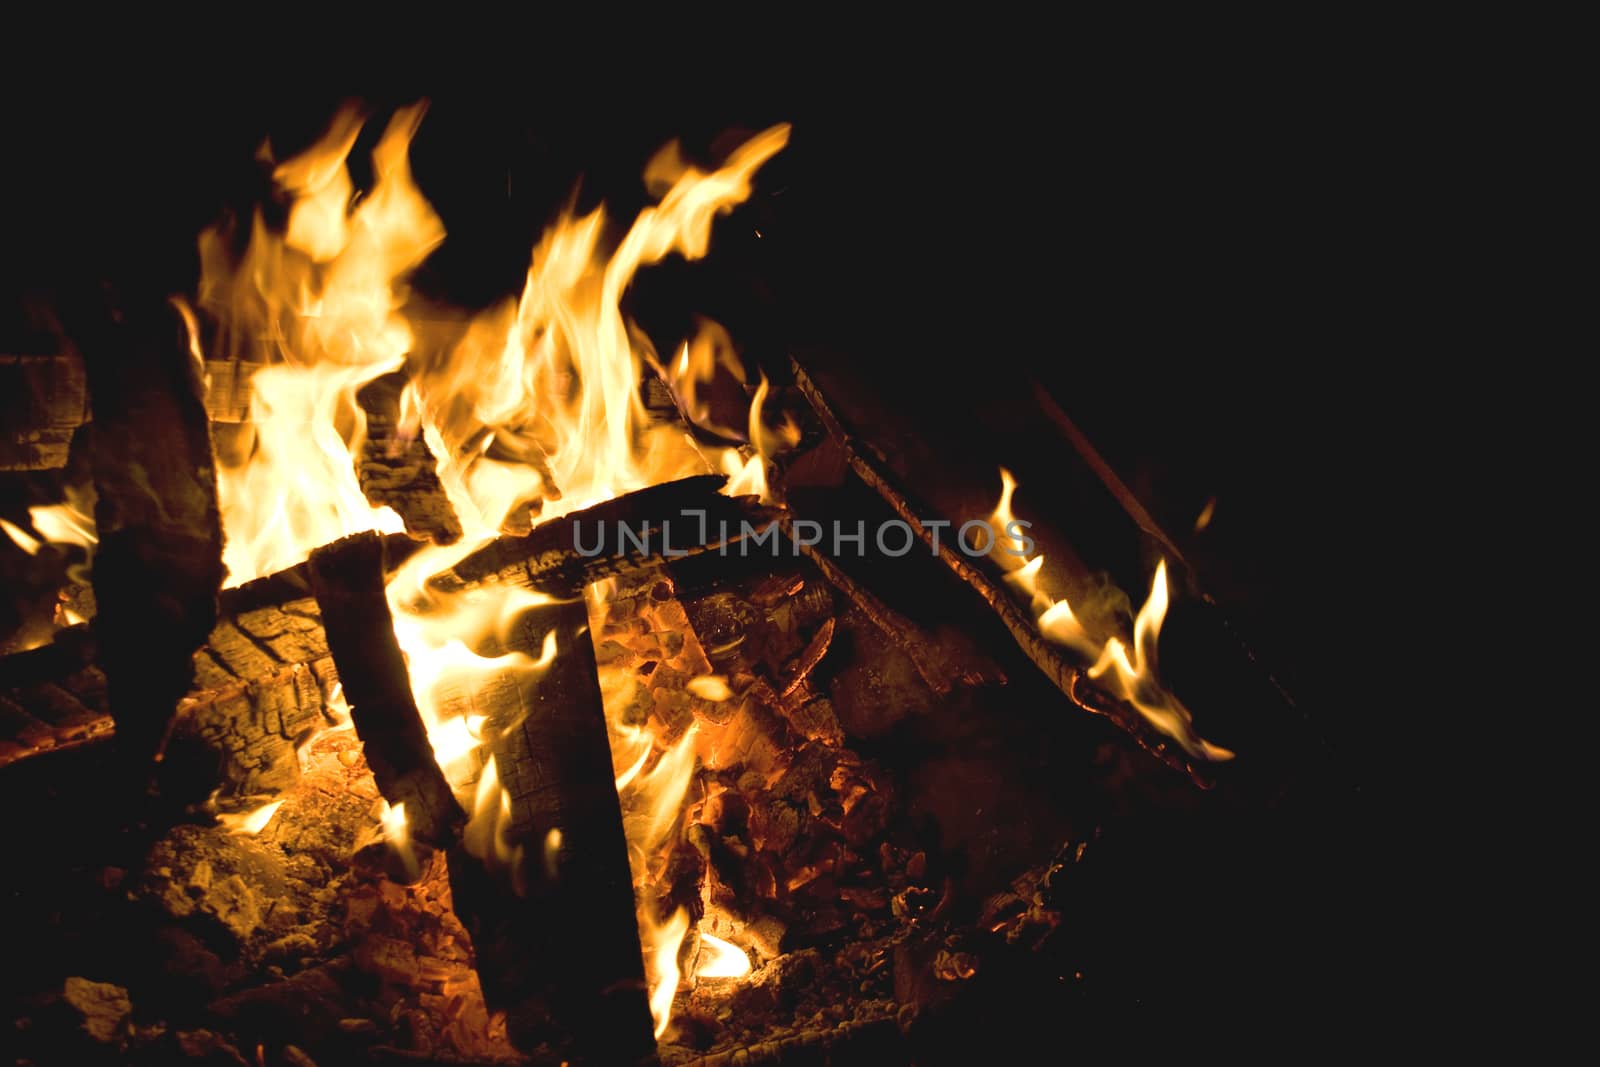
pixel 532 410
pixel 320 306
pixel 1131 678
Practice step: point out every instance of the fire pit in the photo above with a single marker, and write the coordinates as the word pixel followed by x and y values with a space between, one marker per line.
pixel 535 684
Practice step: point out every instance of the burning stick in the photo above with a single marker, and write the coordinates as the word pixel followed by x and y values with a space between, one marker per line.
pixel 1023 629
pixel 348 578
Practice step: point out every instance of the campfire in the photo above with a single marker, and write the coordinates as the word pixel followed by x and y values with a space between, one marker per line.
pixel 519 685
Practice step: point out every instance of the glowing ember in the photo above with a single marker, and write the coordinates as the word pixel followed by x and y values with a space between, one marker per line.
pixel 1132 678
pixel 719 959
pixel 710 687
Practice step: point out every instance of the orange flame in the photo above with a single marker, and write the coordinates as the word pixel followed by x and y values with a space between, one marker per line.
pixel 1132 678
pixel 531 410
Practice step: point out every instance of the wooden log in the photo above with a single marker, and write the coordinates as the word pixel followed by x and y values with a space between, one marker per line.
pixel 556 942
pixel 43 400
pixel 348 579
pixel 1064 675
pixel 158 565
pixel 564 556
pixel 399 471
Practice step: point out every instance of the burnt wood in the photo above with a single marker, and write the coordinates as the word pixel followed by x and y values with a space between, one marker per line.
pixel 565 555
pixel 348 579
pixel 555 935
pixel 399 471
pixel 158 565
pixel 1064 675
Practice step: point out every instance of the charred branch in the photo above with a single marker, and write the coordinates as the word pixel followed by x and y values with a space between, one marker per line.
pixel 396 468
pixel 348 578
pixel 557 944
pixel 1062 674
pixel 563 556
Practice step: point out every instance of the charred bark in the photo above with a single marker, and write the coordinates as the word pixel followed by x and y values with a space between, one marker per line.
pixel 557 944
pixel 565 555
pixel 1063 675
pixel 348 578
pixel 158 565
pixel 398 470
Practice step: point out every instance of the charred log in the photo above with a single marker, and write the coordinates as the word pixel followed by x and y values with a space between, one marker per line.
pixel 348 578
pixel 158 566
pixel 1063 675
pixel 557 945
pixel 396 468
pixel 563 556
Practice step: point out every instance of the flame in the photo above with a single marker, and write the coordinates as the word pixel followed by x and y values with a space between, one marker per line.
pixel 68 523
pixel 531 410
pixel 252 822
pixel 23 540
pixel 661 952
pixel 718 959
pixel 397 832
pixel 1131 678
pixel 320 305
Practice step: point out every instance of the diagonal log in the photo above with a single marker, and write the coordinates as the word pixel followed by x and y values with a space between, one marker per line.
pixel 1064 675
pixel 348 579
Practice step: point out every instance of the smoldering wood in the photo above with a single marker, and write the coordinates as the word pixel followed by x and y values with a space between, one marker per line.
pixel 1064 675
pixel 158 564
pixel 348 580
pixel 399 470
pixel 557 942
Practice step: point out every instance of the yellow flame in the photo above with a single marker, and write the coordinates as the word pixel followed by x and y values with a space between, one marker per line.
pixel 320 307
pixel 531 410
pixel 1133 679
pixel 252 822
pixel 718 959
pixel 28 544
pixel 661 950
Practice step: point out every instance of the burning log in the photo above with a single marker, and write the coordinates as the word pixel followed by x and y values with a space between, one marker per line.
pixel 672 520
pixel 159 562
pixel 348 578
pixel 399 470
pixel 557 945
pixel 1023 629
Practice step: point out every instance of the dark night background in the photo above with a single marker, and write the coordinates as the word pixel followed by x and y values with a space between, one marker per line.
pixel 1197 262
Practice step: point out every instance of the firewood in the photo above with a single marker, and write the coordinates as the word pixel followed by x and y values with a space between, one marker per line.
pixel 557 945
pixel 400 472
pixel 273 700
pixel 348 579
pixel 43 400
pixel 158 565
pixel 1065 676
pixel 563 556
